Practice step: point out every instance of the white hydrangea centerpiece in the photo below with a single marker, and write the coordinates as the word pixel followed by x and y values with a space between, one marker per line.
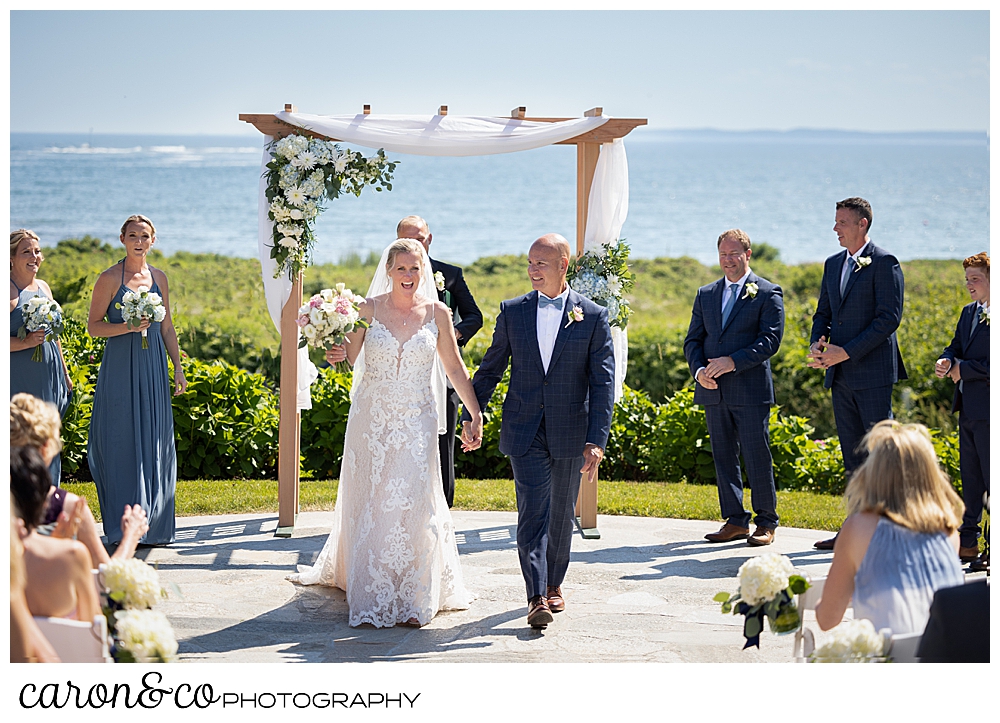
pixel 302 173
pixel 853 641
pixel 144 636
pixel 768 583
pixel 133 584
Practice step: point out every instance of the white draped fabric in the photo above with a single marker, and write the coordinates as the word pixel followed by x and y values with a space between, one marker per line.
pixel 454 136
pixel 606 212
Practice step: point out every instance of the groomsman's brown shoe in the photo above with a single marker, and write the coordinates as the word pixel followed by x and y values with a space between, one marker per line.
pixel 554 597
pixel 539 614
pixel 968 554
pixel 826 544
pixel 981 563
pixel 761 536
pixel 728 532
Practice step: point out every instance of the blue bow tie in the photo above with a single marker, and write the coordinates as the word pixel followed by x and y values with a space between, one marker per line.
pixel 544 301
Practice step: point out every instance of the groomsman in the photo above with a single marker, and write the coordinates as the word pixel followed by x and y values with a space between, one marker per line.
pixel 854 332
pixel 736 326
pixel 967 362
pixel 468 319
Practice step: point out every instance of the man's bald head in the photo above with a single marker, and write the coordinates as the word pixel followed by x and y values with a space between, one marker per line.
pixel 416 228
pixel 554 241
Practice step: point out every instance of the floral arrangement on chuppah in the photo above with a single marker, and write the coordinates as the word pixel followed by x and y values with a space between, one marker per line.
pixel 40 312
pixel 853 641
pixel 604 278
pixel 767 584
pixel 328 317
pixel 138 633
pixel 304 171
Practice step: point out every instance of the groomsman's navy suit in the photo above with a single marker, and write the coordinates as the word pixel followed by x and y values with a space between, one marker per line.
pixel 863 321
pixel 972 400
pixel 548 419
pixel 737 412
pixel 468 319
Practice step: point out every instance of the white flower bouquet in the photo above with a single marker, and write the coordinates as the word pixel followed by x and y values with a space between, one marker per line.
pixel 302 173
pixel 328 317
pixel 853 641
pixel 40 312
pixel 604 277
pixel 132 584
pixel 767 584
pixel 141 304
pixel 144 636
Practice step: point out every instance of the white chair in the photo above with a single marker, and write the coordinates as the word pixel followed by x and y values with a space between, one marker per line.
pixel 903 648
pixel 805 640
pixel 77 641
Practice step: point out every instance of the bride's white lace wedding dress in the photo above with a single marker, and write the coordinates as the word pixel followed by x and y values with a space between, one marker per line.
pixel 392 548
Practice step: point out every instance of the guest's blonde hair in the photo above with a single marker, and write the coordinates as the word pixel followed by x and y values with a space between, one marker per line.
pixel 16 237
pixel 34 423
pixel 404 246
pixel 138 218
pixel 737 234
pixel 901 480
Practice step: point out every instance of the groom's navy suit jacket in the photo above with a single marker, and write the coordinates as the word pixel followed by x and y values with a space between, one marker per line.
pixel 751 336
pixel 972 345
pixel 863 321
pixel 575 397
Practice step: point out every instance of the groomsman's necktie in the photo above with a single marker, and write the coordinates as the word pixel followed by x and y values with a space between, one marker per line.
pixel 728 309
pixel 544 301
pixel 848 267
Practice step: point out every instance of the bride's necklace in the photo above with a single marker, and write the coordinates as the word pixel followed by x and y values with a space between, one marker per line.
pixel 404 314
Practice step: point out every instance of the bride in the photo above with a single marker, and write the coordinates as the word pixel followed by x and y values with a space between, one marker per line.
pixel 392 548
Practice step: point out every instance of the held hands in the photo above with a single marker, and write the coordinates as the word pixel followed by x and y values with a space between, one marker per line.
pixel 592 456
pixel 337 354
pixel 823 355
pixel 472 434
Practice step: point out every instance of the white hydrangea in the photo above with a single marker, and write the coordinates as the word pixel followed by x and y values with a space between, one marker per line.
pixel 763 577
pixel 590 285
pixel 279 210
pixel 614 308
pixel 289 229
pixel 853 641
pixel 132 583
pixel 147 635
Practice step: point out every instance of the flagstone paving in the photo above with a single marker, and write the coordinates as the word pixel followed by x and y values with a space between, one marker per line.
pixel 641 593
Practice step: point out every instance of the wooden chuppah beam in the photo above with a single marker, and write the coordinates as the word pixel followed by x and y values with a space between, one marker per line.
pixel 289 418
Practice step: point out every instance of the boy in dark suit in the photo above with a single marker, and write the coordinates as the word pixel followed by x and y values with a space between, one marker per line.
pixel 967 362
pixel 468 319
pixel 854 332
pixel 736 327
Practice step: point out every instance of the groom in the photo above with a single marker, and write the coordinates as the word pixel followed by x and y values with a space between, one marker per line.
pixel 556 415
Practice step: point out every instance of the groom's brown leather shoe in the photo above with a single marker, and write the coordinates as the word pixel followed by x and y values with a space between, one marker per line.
pixel 539 614
pixel 553 596
pixel 728 532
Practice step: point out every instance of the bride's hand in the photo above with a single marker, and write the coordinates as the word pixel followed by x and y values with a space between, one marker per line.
pixel 472 434
pixel 337 354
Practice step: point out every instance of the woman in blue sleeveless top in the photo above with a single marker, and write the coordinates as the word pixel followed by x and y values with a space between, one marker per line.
pixel 899 543
pixel 48 379
pixel 131 447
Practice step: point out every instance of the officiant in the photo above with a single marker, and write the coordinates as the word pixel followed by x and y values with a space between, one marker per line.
pixel 467 318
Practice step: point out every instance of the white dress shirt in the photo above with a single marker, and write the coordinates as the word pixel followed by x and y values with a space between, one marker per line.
pixel 850 265
pixel 547 322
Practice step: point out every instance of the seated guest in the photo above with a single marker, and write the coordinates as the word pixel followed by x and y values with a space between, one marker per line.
pixel 59 579
pixel 958 630
pixel 27 644
pixel 899 543
pixel 34 423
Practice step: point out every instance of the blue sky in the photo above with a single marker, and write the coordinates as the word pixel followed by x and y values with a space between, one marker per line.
pixel 194 72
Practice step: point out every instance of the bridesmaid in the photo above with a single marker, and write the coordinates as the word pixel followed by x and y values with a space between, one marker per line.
pixel 49 379
pixel 131 448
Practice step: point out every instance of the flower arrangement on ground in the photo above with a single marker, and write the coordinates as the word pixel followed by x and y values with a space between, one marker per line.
pixel 130 588
pixel 328 317
pixel 304 171
pixel 141 304
pixel 853 641
pixel 767 584
pixel 40 312
pixel 604 278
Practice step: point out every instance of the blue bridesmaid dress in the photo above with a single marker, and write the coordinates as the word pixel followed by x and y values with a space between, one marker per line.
pixel 131 447
pixel 45 379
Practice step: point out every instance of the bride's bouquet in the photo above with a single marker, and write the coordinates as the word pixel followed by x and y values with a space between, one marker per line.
pixel 767 584
pixel 40 312
pixel 328 317
pixel 141 304
pixel 852 641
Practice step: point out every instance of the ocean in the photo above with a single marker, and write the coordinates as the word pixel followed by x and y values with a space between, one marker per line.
pixel 929 193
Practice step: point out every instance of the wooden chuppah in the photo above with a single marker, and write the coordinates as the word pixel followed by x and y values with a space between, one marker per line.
pixel 588 147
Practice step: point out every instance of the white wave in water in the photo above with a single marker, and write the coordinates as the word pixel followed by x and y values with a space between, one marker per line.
pixel 86 149
pixel 168 149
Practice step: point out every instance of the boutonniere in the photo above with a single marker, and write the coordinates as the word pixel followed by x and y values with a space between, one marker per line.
pixel 439 280
pixel 574 314
pixel 862 261
pixel 984 315
pixel 749 291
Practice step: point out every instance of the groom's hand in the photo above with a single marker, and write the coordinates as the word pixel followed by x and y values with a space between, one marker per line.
pixel 592 456
pixel 472 436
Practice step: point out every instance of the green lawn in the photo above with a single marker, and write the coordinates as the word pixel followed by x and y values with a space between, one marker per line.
pixel 640 499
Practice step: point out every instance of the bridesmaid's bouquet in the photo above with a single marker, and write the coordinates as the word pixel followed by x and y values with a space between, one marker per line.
pixel 41 312
pixel 141 304
pixel 328 317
